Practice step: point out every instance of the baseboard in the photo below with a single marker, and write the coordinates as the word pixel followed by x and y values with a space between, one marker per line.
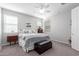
pixel 5 44
pixel 62 43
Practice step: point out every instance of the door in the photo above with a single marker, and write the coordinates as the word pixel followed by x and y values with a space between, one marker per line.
pixel 75 29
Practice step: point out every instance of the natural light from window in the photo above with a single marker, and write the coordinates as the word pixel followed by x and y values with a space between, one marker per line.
pixel 10 24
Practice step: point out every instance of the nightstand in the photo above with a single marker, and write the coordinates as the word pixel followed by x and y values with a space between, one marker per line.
pixel 12 39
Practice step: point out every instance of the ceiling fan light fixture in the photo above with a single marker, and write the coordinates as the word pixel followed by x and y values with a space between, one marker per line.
pixel 42 11
pixel 63 3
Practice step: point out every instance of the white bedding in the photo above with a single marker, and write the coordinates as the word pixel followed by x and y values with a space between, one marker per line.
pixel 23 38
pixel 33 35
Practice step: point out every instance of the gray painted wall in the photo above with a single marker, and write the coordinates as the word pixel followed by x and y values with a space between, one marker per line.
pixel 0 26
pixel 22 20
pixel 60 27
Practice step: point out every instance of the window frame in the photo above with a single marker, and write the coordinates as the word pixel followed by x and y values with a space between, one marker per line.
pixel 9 24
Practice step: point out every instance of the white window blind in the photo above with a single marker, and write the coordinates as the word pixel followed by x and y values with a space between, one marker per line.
pixel 10 24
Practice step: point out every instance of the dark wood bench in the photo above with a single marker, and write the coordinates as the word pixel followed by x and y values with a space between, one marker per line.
pixel 42 46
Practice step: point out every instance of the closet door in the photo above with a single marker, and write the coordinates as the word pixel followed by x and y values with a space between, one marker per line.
pixel 75 29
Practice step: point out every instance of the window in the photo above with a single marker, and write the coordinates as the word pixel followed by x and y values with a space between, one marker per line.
pixel 10 24
pixel 39 23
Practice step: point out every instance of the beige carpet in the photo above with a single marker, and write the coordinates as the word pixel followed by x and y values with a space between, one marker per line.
pixel 57 50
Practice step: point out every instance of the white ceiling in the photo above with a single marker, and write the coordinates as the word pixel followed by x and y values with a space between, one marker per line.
pixel 34 8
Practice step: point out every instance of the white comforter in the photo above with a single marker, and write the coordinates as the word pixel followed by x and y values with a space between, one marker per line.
pixel 25 38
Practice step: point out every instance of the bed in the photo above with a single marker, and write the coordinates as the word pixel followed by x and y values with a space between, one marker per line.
pixel 26 41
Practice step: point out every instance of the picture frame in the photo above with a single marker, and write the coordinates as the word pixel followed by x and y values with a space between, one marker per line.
pixel 28 24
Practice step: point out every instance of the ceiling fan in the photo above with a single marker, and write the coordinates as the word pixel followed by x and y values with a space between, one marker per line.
pixel 63 3
pixel 44 8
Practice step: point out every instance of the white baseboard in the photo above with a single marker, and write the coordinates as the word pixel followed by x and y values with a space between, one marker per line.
pixel 62 43
pixel 5 44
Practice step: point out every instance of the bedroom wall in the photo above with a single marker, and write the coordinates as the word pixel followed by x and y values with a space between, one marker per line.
pixel 60 27
pixel 22 20
pixel 0 26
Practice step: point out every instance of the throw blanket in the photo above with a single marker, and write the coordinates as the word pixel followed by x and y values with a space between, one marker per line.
pixel 30 42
